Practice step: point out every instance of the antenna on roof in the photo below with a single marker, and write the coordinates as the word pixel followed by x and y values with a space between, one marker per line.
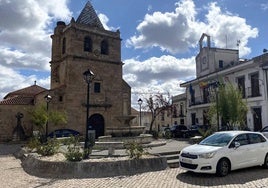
pixel 238 43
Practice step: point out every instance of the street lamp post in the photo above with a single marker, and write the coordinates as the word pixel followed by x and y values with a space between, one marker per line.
pixel 48 98
pixel 216 90
pixel 140 103
pixel 217 106
pixel 88 77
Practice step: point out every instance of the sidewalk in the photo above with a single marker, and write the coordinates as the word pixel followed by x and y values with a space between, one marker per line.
pixel 13 176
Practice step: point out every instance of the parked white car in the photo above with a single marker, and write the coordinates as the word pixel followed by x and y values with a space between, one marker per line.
pixel 225 151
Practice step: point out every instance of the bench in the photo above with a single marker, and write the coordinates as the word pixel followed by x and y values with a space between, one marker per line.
pixel 110 146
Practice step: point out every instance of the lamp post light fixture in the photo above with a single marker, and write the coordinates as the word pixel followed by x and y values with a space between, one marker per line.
pixel 48 98
pixel 140 103
pixel 88 77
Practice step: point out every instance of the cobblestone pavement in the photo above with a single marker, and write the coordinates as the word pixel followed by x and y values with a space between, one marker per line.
pixel 13 176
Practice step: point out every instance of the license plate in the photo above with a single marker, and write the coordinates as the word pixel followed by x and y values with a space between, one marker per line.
pixel 189 161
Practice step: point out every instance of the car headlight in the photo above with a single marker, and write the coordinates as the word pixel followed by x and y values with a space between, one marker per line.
pixel 207 155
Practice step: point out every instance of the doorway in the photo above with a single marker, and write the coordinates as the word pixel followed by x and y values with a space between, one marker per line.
pixel 97 123
pixel 257 119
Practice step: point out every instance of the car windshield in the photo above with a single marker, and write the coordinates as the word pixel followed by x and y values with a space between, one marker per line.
pixel 217 139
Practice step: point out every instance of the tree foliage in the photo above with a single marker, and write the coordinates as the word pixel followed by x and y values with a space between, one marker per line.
pixel 40 115
pixel 157 104
pixel 230 106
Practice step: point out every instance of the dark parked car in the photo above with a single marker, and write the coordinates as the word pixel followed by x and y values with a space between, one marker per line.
pixel 180 131
pixel 63 133
pixel 264 131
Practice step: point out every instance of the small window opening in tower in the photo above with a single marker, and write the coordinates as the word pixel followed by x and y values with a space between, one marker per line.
pixel 87 44
pixel 104 47
pixel 63 45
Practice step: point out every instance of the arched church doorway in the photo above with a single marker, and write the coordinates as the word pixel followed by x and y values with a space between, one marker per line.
pixel 96 121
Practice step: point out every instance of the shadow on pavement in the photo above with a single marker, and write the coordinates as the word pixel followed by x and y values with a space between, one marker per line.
pixel 9 149
pixel 235 177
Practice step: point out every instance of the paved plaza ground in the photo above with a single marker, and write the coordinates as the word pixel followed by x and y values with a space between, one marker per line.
pixel 13 176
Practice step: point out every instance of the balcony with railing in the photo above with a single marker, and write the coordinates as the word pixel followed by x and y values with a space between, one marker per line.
pixel 253 92
pixel 250 92
pixel 200 100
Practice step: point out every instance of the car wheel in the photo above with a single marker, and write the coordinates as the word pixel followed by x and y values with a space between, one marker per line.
pixel 168 134
pixel 223 167
pixel 265 164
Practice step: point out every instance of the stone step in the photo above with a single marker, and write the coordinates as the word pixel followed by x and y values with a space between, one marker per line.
pixel 174 163
pixel 169 153
pixel 172 158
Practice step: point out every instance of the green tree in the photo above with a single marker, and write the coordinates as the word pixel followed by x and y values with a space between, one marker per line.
pixel 229 105
pixel 40 115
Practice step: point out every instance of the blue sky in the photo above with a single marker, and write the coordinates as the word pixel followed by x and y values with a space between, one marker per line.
pixel 159 38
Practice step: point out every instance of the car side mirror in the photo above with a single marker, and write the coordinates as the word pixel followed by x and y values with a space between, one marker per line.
pixel 236 145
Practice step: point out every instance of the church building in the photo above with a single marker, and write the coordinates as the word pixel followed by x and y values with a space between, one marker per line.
pixel 80 46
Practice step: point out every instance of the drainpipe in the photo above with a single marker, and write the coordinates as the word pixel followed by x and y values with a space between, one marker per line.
pixel 266 82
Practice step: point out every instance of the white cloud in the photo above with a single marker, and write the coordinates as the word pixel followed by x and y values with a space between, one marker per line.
pixel 11 80
pixel 227 28
pixel 104 20
pixel 161 74
pixel 179 31
pixel 25 30
pixel 264 6
pixel 24 33
pixel 171 31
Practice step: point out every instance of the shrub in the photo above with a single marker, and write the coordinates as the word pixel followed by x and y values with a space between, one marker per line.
pixel 33 143
pixel 206 133
pixel 49 148
pixel 134 150
pixel 74 152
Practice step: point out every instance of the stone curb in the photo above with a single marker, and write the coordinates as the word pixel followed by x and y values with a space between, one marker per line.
pixel 91 169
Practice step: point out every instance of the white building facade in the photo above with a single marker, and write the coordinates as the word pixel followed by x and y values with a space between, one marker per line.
pixel 179 109
pixel 214 64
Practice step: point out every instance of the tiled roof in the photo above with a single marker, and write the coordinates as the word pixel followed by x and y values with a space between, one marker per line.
pixel 89 17
pixel 23 96
pixel 28 91
pixel 18 100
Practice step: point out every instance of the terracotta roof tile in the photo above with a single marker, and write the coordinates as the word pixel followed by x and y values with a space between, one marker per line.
pixel 23 96
pixel 28 91
pixel 18 100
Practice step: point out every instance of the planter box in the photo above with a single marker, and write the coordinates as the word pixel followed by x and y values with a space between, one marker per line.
pixel 92 169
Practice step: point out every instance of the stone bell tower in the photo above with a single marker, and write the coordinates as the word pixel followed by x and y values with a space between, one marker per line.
pixel 76 47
